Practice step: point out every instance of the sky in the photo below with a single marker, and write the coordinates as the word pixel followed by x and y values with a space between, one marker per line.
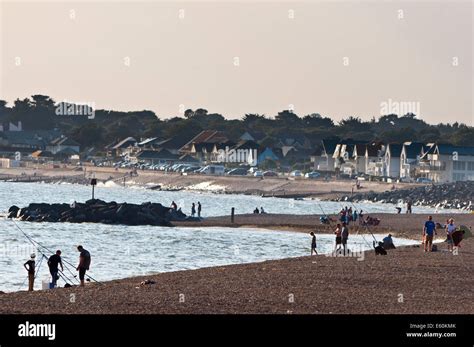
pixel 338 59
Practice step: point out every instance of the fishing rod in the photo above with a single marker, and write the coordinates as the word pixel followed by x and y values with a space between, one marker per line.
pixel 366 225
pixel 61 273
pixel 36 244
pixel 363 237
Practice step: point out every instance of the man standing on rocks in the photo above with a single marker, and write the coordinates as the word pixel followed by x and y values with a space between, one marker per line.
pixel 193 209
pixel 84 263
pixel 428 232
pixel 31 271
pixel 199 209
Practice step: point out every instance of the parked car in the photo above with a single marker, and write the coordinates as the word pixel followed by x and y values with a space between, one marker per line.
pixel 190 168
pixel 253 169
pixel 240 171
pixel 423 180
pixel 296 173
pixel 213 170
pixel 312 175
pixel 269 173
pixel 258 173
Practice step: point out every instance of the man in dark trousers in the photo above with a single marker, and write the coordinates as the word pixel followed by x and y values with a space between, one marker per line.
pixel 199 209
pixel 345 236
pixel 313 243
pixel 31 271
pixel 84 263
pixel 53 262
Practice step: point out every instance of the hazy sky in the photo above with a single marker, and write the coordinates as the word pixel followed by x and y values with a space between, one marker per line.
pixel 335 58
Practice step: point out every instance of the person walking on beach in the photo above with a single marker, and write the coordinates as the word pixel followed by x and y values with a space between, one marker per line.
pixel 199 209
pixel 450 229
pixel 53 262
pixel 193 209
pixel 84 263
pixel 30 267
pixel 428 232
pixel 345 236
pixel 338 237
pixel 313 243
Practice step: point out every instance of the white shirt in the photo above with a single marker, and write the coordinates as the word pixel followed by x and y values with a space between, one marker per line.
pixel 451 228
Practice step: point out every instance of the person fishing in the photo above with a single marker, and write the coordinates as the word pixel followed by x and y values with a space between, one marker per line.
pixel 313 243
pixel 84 263
pixel 387 242
pixel 53 262
pixel 199 209
pixel 30 267
pixel 193 209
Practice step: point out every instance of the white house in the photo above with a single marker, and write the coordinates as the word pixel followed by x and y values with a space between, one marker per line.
pixel 409 159
pixel 323 157
pixel 392 160
pixel 374 160
pixel 63 144
pixel 447 163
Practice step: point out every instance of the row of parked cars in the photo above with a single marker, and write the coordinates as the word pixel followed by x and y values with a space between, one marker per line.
pixel 213 170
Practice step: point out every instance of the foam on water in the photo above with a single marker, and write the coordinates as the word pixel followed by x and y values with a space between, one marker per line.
pixel 123 251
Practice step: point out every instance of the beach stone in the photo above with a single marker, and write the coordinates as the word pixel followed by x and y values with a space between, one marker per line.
pixel 449 195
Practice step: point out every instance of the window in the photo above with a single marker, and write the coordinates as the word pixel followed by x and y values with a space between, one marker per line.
pixel 458 177
pixel 459 165
pixel 470 165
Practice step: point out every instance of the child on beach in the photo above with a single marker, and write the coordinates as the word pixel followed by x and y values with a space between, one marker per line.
pixel 313 243
pixel 30 267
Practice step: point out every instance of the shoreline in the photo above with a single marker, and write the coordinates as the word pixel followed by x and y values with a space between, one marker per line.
pixel 283 187
pixel 399 225
pixel 429 282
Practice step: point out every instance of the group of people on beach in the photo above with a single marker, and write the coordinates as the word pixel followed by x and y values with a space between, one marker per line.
pixel 194 208
pixel 347 215
pixel 430 230
pixel 54 262
pixel 342 235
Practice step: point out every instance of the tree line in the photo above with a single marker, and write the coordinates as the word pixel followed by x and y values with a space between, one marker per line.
pixel 108 126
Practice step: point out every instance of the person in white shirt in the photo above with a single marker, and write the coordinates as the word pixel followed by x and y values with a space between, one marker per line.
pixel 450 229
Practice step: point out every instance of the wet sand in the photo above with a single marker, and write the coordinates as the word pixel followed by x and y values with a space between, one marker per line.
pixel 407 280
